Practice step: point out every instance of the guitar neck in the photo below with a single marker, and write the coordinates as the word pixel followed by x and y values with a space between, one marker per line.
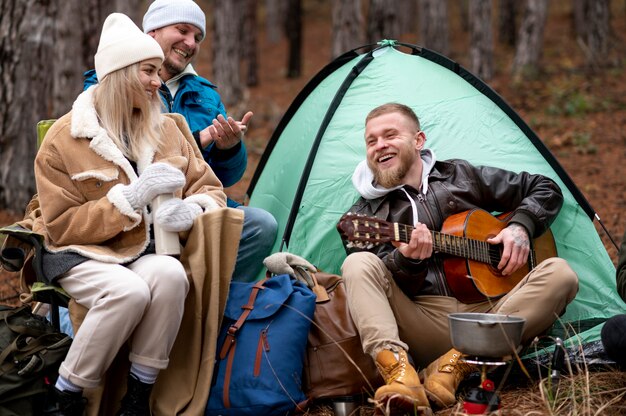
pixel 468 248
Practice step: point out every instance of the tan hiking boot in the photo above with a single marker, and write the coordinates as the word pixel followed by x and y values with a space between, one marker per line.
pixel 403 391
pixel 443 376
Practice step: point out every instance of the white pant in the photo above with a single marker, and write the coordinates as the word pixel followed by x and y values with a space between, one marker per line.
pixel 141 302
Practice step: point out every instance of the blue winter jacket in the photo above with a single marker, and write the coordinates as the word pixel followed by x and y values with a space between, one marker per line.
pixel 198 101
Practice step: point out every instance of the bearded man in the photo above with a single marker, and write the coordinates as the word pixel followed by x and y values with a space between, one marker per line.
pixel 398 293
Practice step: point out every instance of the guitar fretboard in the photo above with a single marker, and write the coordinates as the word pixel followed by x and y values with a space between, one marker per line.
pixel 458 246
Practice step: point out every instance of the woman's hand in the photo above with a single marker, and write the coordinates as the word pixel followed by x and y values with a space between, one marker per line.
pixel 177 215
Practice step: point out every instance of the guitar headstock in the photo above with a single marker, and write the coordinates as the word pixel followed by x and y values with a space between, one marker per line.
pixel 364 232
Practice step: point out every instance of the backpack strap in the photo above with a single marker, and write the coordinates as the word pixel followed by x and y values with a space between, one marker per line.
pixel 227 375
pixel 24 345
pixel 25 310
pixel 230 342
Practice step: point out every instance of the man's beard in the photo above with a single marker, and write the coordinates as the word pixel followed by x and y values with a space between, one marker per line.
pixel 172 68
pixel 390 178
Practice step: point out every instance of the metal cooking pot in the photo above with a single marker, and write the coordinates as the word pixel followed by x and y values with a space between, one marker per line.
pixel 485 334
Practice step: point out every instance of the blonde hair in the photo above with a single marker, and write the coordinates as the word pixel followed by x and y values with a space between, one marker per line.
pixel 405 110
pixel 127 113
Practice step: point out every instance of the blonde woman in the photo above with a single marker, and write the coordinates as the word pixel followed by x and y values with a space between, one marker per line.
pixel 98 170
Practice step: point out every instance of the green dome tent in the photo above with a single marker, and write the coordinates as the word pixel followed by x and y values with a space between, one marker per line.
pixel 304 176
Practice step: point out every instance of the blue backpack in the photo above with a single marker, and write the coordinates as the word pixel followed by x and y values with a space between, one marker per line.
pixel 261 348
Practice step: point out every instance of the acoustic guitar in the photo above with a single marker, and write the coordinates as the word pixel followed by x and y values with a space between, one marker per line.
pixel 470 263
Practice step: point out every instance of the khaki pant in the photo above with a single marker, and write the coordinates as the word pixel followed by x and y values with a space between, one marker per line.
pixel 388 319
pixel 141 302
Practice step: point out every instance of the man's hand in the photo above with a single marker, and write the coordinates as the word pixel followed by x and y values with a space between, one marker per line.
pixel 225 133
pixel 516 246
pixel 420 246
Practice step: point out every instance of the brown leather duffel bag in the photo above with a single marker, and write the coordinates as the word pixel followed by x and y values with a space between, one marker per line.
pixel 335 364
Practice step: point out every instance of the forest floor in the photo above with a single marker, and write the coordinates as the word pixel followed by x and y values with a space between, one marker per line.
pixel 580 116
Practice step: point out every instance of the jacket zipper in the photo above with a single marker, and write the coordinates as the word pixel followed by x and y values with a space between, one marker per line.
pixel 168 98
pixel 441 278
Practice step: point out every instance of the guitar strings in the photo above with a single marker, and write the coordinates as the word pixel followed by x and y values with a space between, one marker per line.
pixel 460 246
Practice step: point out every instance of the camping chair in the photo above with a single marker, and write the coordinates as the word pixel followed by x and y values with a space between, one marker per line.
pixel 22 250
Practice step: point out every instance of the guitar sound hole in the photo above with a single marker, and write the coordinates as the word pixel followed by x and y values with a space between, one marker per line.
pixel 495 254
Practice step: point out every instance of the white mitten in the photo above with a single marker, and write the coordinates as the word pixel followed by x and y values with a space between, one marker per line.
pixel 283 263
pixel 158 178
pixel 177 215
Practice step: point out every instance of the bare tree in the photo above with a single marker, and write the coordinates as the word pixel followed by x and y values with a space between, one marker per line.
pixel 26 50
pixel 407 18
pixel 481 38
pixel 579 12
pixel 433 25
pixel 44 50
pixel 226 49
pixel 463 13
pixel 275 11
pixel 592 27
pixel 382 20
pixel 293 29
pixel 530 38
pixel 250 49
pixel 347 19
pixel 507 14
pixel 77 33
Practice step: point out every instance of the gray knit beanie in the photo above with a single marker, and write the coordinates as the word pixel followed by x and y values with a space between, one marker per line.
pixel 163 13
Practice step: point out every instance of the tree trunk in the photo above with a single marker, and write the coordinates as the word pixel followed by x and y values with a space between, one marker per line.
pixel 26 51
pixel 592 27
pixel 598 33
pixel 347 26
pixel 407 18
pixel 226 46
pixel 433 25
pixel 579 11
pixel 530 38
pixel 481 39
pixel 293 29
pixel 507 13
pixel 249 50
pixel 131 8
pixel 77 34
pixel 382 20
pixel 44 50
pixel 463 14
pixel 275 11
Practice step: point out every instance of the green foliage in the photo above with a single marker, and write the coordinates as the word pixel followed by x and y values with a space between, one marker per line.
pixel 582 142
pixel 570 103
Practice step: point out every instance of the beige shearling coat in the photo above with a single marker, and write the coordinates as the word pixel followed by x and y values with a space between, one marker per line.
pixel 78 167
pixel 80 172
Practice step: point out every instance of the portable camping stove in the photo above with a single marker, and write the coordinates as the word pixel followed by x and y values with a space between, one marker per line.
pixel 482 399
pixel 486 340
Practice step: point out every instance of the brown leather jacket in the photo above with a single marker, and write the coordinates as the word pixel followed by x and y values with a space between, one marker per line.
pixel 456 186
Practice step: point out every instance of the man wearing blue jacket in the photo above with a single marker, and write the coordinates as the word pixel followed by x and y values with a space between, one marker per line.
pixel 179 27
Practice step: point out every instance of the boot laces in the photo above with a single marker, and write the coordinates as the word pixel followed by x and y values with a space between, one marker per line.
pixel 397 370
pixel 460 369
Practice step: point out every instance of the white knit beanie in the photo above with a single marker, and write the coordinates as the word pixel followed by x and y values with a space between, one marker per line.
pixel 163 13
pixel 122 44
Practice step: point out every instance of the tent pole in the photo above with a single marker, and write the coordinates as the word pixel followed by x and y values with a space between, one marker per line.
pixel 606 231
